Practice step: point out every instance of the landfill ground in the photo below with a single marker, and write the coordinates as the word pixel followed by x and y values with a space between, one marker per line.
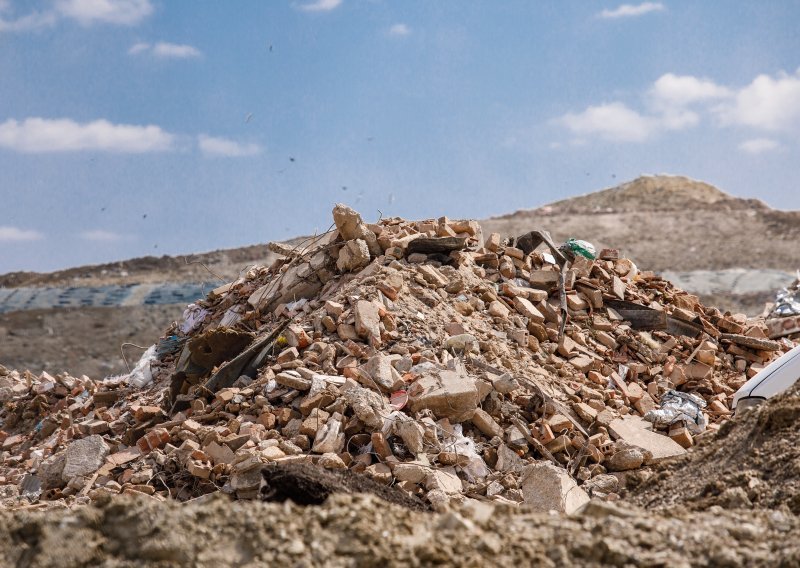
pixel 701 510
pixel 420 393
pixel 704 509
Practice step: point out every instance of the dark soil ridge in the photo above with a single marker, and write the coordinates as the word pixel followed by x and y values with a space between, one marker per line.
pixel 312 485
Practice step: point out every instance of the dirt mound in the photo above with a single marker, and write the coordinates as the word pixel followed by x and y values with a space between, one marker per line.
pixel 669 223
pixel 753 461
pixel 360 530
pixel 652 193
pixel 309 485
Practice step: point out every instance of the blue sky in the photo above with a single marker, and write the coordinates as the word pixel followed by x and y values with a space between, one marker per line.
pixel 136 127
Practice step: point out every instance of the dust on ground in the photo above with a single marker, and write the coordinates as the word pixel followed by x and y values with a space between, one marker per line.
pixel 360 530
pixel 87 341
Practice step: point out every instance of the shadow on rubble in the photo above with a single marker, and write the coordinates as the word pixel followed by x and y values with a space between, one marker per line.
pixel 312 485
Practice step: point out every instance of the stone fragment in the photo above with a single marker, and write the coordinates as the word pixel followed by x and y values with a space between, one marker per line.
pixel 411 471
pixel 636 432
pixel 331 461
pixel 444 479
pixel 505 383
pixel 350 226
pixel 330 438
pixel 602 483
pixel 432 275
pixel 586 412
pixel 383 374
pixel 380 472
pixel 368 321
pixel 83 457
pixel 410 432
pixel 525 308
pixel 498 309
pixel 508 460
pixel 449 394
pixel 50 471
pixel 627 458
pixel 293 380
pixel 486 424
pixel 353 255
pixel 369 406
pixel 546 487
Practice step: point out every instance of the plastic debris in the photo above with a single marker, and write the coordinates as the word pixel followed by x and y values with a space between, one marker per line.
pixel 679 406
pixel 141 374
pixel 193 316
pixel 168 345
pixel 578 247
pixel 787 300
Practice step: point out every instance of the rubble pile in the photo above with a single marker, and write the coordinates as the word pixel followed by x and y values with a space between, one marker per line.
pixel 420 354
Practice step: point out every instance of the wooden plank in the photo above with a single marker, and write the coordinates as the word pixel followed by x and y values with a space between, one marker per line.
pixel 443 245
pixel 751 342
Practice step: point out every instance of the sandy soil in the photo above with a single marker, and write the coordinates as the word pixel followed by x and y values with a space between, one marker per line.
pixel 360 530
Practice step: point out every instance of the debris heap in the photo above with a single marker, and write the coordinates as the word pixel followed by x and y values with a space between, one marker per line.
pixel 420 354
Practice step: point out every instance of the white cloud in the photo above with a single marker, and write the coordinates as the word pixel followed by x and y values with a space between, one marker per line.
pixel 767 103
pixel 321 6
pixel 121 12
pixel 137 48
pixel 212 146
pixel 399 30
pixel 100 235
pixel 678 102
pixel 613 121
pixel 29 22
pixel 14 234
pixel 631 10
pixel 759 145
pixel 85 12
pixel 672 90
pixel 37 135
pixel 164 50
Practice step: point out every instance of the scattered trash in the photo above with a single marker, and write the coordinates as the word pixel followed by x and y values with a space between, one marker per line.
pixel 141 374
pixel 583 248
pixel 193 316
pixel 679 407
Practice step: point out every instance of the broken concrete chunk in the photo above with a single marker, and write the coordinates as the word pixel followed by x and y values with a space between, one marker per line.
pixel 353 255
pixel 330 438
pixel 444 479
pixel 625 459
pixel 368 321
pixel 383 374
pixel 84 457
pixel 486 424
pixel 636 432
pixel 525 308
pixel 546 487
pixel 369 406
pixel 293 380
pixel 432 276
pixel 449 394
pixel 350 226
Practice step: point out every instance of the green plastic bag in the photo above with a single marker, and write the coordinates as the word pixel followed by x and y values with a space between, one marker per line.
pixel 583 248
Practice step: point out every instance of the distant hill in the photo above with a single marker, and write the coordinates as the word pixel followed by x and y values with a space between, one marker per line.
pixel 670 223
pixel 664 223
